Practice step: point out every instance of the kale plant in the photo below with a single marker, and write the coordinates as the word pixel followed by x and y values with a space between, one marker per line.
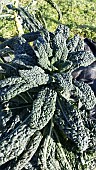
pixel 45 121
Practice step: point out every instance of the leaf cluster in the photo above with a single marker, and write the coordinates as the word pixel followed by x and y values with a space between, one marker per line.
pixel 44 112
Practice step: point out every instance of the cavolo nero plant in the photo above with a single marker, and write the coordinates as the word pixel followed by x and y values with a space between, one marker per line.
pixel 45 119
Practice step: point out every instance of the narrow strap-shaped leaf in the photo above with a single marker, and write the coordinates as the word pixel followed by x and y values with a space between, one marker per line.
pixel 29 21
pixel 30 78
pixel 43 108
pixel 61 156
pixel 72 43
pixel 64 84
pixel 28 37
pixel 80 45
pixel 42 53
pixel 85 95
pixel 81 58
pixel 71 123
pixel 10 81
pixel 29 151
pixel 64 30
pixel 47 154
pixel 46 159
pixel 60 50
pixel 14 144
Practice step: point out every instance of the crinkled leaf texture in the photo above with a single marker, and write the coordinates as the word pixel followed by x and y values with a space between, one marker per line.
pixel 45 121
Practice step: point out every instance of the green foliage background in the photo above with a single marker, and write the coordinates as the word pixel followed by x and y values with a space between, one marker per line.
pixel 80 16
